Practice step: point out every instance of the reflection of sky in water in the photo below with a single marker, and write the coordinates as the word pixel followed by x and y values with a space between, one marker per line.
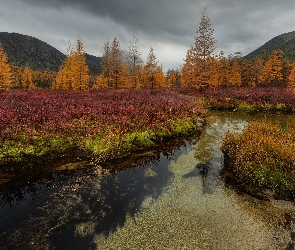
pixel 176 201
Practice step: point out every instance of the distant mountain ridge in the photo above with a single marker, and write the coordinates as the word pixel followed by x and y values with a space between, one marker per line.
pixel 38 55
pixel 285 42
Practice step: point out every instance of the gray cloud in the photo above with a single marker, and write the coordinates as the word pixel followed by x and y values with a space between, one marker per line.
pixel 167 25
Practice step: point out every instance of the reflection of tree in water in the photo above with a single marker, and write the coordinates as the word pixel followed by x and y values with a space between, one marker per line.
pixel 207 150
pixel 209 174
pixel 67 211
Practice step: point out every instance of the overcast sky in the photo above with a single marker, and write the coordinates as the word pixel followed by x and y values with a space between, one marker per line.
pixel 169 26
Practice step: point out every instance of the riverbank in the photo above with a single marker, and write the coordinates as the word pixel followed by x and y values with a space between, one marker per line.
pixel 262 159
pixel 105 124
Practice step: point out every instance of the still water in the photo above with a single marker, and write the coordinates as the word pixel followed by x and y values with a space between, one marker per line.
pixel 175 200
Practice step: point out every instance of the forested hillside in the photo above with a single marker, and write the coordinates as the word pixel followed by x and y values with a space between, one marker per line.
pixel 23 50
pixel 284 42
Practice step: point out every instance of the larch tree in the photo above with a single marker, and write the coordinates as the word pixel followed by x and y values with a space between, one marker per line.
pixel 125 77
pixel 115 63
pixel 27 78
pixel 291 79
pixel 235 74
pixel 172 76
pixel 205 47
pixel 223 68
pixel 134 61
pixel 101 82
pixel 5 72
pixel 150 69
pixel 73 73
pixel 63 79
pixel 105 62
pixel 80 76
pixel 191 72
pixel 160 80
pixel 272 70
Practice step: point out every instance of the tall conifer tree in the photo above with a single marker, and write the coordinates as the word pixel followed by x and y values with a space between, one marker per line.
pixel 5 72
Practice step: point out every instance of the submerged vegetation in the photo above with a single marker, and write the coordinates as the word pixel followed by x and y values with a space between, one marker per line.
pixel 108 123
pixel 262 159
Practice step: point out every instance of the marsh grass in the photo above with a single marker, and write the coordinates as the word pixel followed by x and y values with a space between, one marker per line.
pixel 263 157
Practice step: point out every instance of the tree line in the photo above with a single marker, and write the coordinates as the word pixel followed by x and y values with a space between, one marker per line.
pixel 202 68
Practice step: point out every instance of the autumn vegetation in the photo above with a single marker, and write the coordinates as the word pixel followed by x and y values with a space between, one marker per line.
pixel 103 124
pixel 262 159
pixel 133 104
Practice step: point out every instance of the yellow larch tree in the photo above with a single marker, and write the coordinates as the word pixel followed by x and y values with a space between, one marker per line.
pixel 115 63
pixel 80 76
pixel 212 76
pixel 171 78
pixel 187 71
pixel 272 70
pixel 5 72
pixel 63 79
pixel 150 70
pixel 160 80
pixel 204 48
pixel 73 73
pixel 101 82
pixel 223 69
pixel 125 80
pixel 27 78
pixel 191 72
pixel 105 62
pixel 291 79
pixel 234 78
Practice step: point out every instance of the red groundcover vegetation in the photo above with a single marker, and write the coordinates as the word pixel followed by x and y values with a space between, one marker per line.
pixel 255 98
pixel 42 122
pixel 53 111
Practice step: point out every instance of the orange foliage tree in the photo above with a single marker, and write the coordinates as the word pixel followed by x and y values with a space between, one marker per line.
pixel 272 70
pixel 115 64
pixel 73 74
pixel 160 79
pixel 5 72
pixel 291 79
pixel 172 77
pixel 235 74
pixel 105 63
pixel 27 78
pixel 63 79
pixel 191 72
pixel 101 82
pixel 200 67
pixel 150 69
pixel 125 78
pixel 223 68
pixel 205 47
pixel 80 76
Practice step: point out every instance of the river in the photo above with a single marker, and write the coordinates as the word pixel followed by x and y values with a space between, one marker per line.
pixel 175 200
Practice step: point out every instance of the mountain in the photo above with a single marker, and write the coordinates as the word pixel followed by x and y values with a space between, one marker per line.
pixel 38 55
pixel 285 42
